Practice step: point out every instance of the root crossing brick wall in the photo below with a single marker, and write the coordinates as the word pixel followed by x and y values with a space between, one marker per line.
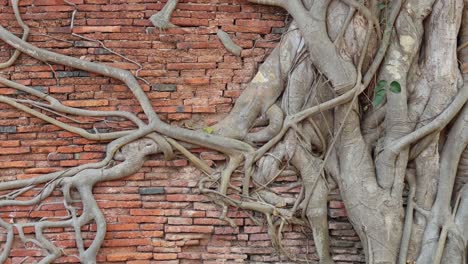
pixel 156 215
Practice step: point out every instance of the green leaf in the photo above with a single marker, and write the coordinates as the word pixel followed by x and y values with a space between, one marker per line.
pixel 381 6
pixel 378 99
pixel 380 85
pixel 395 87
pixel 208 130
pixel 379 92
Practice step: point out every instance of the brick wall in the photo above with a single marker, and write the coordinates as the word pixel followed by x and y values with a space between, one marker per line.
pixel 156 215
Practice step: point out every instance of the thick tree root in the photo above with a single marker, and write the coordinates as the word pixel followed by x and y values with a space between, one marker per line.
pixel 161 19
pixel 228 43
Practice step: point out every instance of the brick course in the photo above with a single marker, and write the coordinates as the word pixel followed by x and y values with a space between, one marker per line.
pixel 156 215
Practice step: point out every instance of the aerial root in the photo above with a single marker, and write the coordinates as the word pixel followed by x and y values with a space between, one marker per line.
pixel 228 43
pixel 277 216
pixel 25 28
pixel 405 240
pixel 161 19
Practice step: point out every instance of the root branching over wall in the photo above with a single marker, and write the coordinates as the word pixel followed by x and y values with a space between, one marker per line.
pixel 366 97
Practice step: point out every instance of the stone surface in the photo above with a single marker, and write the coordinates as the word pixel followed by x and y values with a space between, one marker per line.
pixel 148 191
pixel 164 87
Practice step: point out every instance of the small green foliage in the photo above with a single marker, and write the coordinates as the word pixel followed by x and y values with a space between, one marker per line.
pixel 395 87
pixel 380 91
pixel 208 130
pixel 381 6
pixel 380 86
pixel 378 98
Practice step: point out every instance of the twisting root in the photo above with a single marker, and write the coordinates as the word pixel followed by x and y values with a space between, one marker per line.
pixel 161 19
pixel 25 28
pixel 132 154
pixel 405 240
pixel 56 105
pixel 228 43
pixel 373 20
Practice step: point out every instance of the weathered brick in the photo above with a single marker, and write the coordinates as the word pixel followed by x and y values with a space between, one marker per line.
pixel 189 229
pixel 143 219
pixel 126 242
pixel 9 143
pixel 189 66
pixel 59 156
pixel 17 150
pixel 93 29
pixel 7 129
pixel 164 256
pixel 64 74
pixel 69 149
pixel 164 87
pixel 147 212
pixel 120 227
pixel 16 164
pixel 126 256
pixel 185 197
pixel 150 191
pixel 179 221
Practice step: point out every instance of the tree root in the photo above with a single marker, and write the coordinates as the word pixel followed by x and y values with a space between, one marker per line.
pixel 161 19
pixel 228 43
pixel 25 28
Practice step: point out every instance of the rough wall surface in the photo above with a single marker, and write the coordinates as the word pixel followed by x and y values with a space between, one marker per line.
pixel 156 215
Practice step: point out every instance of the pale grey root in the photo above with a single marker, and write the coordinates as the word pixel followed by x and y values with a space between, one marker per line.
pixel 228 43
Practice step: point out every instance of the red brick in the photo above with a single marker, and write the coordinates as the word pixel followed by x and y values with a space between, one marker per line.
pixel 126 242
pixel 17 150
pixel 259 30
pixel 164 256
pixel 135 234
pixel 94 29
pixel 41 170
pixel 259 23
pixel 119 204
pixel 89 155
pixel 185 197
pixel 86 103
pixel 179 221
pixel 189 229
pixel 125 256
pixel 61 89
pixel 203 109
pixel 142 219
pixel 70 149
pixel 229 8
pixel 189 66
pixel 16 164
pixel 146 212
pixel 178 117
pixel 189 213
pixel 189 22
pixel 120 227
pixel 9 143
pixel 138 262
